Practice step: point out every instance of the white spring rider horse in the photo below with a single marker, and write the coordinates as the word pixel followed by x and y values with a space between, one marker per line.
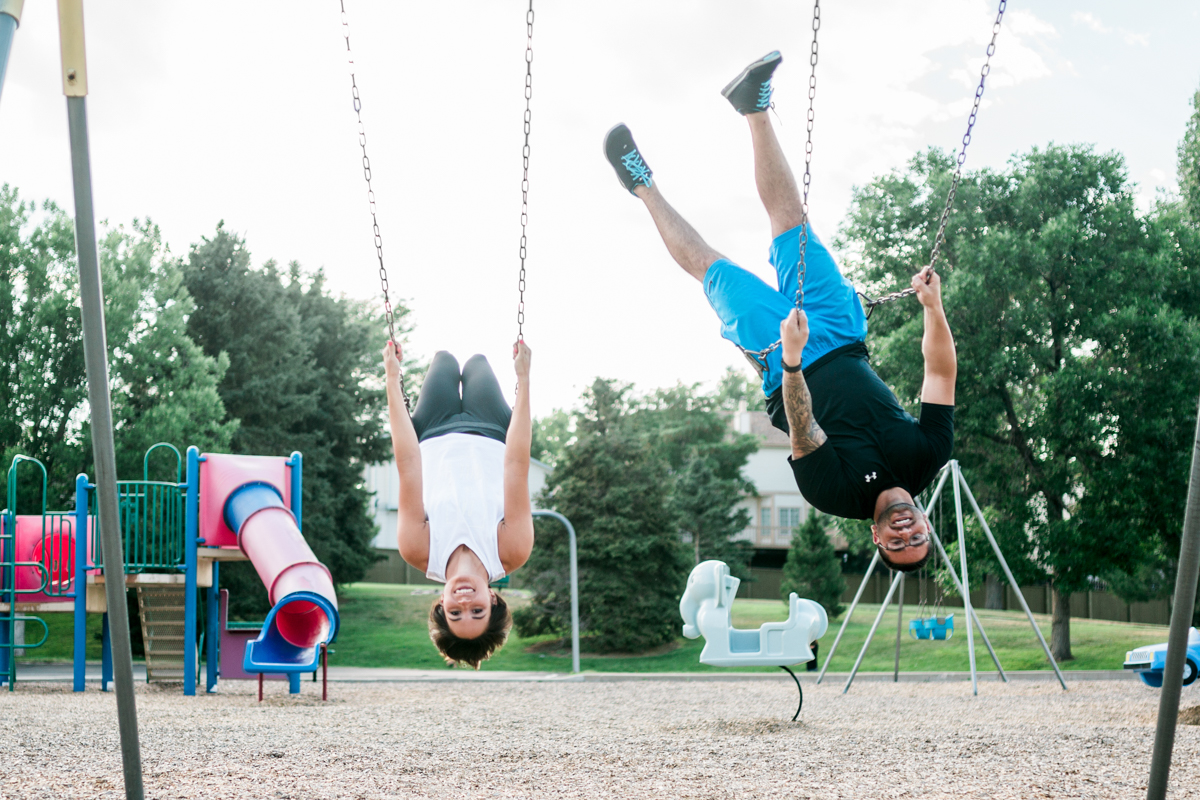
pixel 705 610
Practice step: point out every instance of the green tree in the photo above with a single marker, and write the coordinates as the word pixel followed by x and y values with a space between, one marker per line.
pixel 708 511
pixel 163 387
pixel 1076 393
pixel 303 375
pixel 632 566
pixel 551 436
pixel 1189 162
pixel 813 569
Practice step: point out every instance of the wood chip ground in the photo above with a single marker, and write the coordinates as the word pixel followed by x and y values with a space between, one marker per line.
pixel 599 740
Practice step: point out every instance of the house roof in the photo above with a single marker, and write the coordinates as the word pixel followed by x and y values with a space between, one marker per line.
pixel 768 435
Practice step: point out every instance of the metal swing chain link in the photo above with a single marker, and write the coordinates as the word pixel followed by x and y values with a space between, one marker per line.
pixel 940 237
pixel 758 358
pixel 525 173
pixel 366 162
pixel 808 150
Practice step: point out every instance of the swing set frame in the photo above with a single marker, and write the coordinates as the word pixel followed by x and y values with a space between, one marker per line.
pixel 953 472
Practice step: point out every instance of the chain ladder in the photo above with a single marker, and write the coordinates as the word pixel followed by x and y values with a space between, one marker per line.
pixel 525 173
pixel 758 358
pixel 940 237
pixel 366 162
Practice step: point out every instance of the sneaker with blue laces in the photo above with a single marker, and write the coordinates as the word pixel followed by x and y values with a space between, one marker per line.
pixel 750 92
pixel 622 152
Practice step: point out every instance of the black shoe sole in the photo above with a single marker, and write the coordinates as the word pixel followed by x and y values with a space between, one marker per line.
pixel 767 59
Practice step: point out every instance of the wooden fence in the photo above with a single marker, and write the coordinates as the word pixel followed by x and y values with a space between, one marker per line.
pixel 1084 605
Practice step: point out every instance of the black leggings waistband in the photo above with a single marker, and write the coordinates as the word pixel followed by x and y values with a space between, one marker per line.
pixel 466 401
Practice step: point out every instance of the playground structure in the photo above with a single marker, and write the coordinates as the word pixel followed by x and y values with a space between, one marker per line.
pixel 175 535
pixel 706 605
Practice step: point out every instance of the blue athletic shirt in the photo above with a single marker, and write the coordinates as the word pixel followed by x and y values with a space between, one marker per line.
pixel 873 443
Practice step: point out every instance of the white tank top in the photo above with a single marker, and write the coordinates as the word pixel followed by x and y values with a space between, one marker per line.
pixel 462 485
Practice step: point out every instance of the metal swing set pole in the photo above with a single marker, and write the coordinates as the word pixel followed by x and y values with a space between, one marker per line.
pixel 1181 618
pixel 91 300
pixel 972 616
pixel 858 596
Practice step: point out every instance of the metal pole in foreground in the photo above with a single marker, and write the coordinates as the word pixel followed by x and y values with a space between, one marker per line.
pixel 574 583
pixel 849 612
pixel 91 297
pixel 10 19
pixel 1181 614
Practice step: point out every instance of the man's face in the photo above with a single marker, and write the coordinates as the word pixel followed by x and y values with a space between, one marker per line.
pixel 467 603
pixel 903 531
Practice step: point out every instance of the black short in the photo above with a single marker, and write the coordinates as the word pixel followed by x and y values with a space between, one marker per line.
pixel 469 401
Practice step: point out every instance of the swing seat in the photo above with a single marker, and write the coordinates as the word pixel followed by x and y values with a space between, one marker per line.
pixel 705 608
pixel 932 628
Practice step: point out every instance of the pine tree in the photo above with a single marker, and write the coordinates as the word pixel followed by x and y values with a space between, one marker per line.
pixel 303 369
pixel 632 565
pixel 813 569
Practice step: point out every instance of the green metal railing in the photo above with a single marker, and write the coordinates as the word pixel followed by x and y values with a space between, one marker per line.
pixel 152 525
pixel 10 595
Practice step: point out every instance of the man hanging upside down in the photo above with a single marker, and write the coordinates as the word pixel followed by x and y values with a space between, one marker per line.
pixel 855 452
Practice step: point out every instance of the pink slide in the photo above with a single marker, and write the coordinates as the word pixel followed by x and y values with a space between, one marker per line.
pixel 252 502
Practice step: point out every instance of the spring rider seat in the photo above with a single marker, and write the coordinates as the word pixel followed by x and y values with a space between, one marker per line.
pixel 705 608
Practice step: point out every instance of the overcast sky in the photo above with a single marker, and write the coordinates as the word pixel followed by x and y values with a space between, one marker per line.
pixel 240 111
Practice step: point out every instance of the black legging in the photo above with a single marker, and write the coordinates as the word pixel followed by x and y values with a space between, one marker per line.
pixel 461 402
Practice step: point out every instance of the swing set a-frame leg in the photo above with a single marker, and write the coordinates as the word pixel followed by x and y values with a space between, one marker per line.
pixel 849 612
pixel 1008 574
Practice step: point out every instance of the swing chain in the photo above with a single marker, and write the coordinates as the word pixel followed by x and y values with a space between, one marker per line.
pixel 808 150
pixel 940 237
pixel 758 358
pixel 366 163
pixel 525 173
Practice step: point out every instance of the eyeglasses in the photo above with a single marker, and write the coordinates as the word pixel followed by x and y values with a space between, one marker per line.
pixel 916 540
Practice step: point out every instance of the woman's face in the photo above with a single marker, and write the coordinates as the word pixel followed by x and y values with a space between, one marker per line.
pixel 467 603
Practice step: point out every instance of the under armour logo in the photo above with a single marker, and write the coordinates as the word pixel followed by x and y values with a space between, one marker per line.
pixel 871 477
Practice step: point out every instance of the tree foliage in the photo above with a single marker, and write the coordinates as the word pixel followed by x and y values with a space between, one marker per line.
pixel 813 569
pixel 302 375
pixel 633 474
pixel 1077 357
pixel 163 387
pixel 1189 162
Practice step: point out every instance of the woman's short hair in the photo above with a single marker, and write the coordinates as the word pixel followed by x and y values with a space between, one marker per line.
pixel 472 652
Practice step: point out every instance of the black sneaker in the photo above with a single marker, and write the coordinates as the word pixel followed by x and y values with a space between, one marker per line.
pixel 623 154
pixel 750 92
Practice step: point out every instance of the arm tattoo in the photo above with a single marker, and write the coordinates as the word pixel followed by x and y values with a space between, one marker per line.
pixel 807 435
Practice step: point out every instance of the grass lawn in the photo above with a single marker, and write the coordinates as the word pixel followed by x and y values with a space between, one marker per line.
pixel 384 625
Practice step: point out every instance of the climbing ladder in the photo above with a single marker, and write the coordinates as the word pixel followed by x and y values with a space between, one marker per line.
pixel 161 609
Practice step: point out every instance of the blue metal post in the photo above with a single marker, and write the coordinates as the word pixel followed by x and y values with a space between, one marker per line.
pixel 106 664
pixel 80 583
pixel 10 18
pixel 296 462
pixel 293 682
pixel 190 543
pixel 212 632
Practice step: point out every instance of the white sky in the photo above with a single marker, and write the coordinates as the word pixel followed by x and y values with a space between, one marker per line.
pixel 240 111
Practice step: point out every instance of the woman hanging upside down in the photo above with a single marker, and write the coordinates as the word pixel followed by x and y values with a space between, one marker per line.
pixel 465 516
